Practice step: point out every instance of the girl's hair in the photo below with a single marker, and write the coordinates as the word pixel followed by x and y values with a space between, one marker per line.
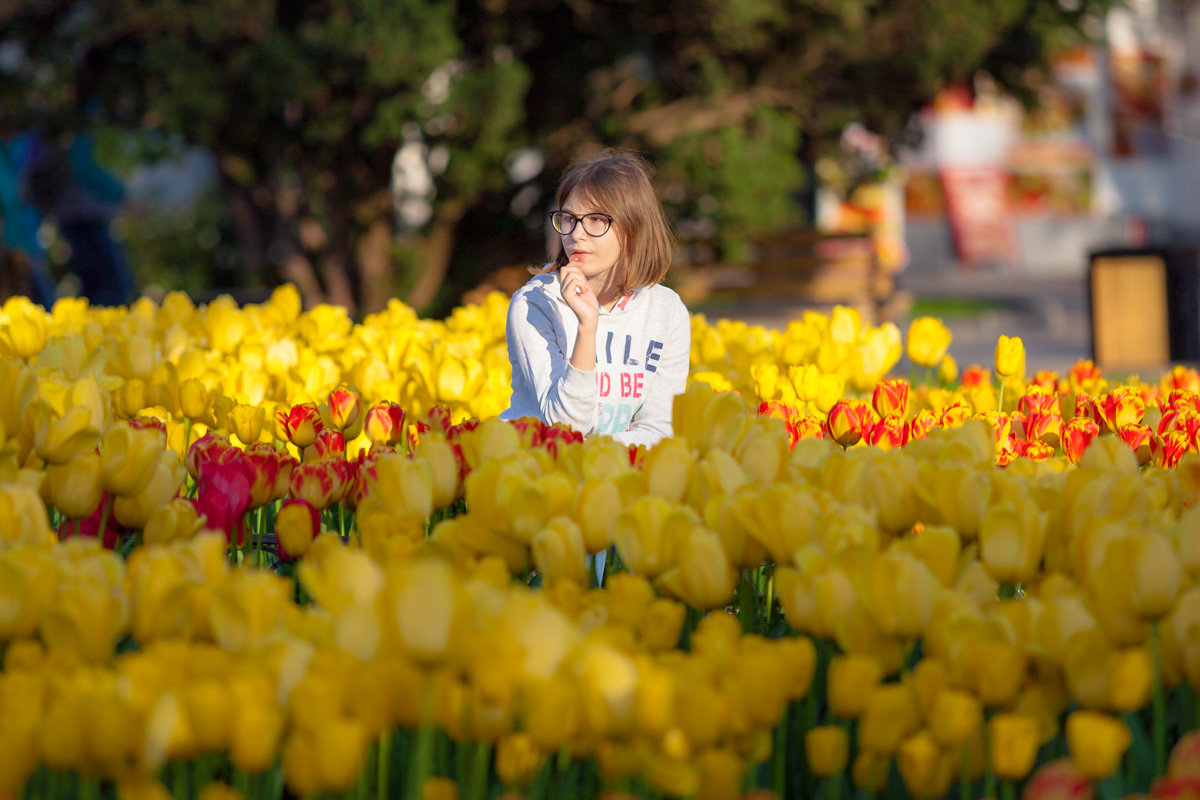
pixel 618 184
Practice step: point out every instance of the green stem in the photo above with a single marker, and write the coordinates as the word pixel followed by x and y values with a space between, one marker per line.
pixel 1006 591
pixel 421 762
pixel 477 778
pixel 747 600
pixel 779 754
pixel 835 787
pixel 1159 706
pixel 964 773
pixel 1000 397
pixel 1008 790
pixel 382 765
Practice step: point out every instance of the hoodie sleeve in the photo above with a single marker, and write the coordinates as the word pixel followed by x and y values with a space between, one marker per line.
pixel 652 421
pixel 563 393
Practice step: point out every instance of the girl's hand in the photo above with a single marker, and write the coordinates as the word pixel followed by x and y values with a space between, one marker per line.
pixel 578 294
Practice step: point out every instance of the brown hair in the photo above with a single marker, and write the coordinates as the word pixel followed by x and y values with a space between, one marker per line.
pixel 618 183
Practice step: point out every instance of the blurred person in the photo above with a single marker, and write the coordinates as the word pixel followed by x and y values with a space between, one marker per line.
pixel 82 199
pixel 595 340
pixel 24 260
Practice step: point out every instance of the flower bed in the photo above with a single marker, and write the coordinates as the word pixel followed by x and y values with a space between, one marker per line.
pixel 258 551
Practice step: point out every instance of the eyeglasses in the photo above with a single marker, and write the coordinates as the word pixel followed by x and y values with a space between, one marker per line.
pixel 593 224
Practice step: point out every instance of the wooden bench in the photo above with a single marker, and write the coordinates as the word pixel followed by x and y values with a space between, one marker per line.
pixel 799 270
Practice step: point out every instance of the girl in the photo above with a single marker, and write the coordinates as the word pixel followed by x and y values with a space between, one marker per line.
pixel 595 340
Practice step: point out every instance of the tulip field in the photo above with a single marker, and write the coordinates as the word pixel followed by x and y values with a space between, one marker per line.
pixel 269 552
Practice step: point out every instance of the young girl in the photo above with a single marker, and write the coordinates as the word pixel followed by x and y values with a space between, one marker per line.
pixel 596 341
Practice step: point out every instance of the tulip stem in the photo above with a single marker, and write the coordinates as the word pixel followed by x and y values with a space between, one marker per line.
pixel 382 764
pixel 1000 397
pixel 964 773
pixel 477 778
pixel 421 759
pixel 1159 706
pixel 1008 790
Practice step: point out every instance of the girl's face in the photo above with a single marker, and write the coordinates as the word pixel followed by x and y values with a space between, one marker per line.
pixel 595 256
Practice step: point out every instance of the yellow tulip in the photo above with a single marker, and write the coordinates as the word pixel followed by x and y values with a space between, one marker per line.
pixel 23 517
pixel 60 438
pixel 650 533
pixel 1013 741
pixel 828 750
pixel 925 769
pixel 852 679
pixel 518 759
pixel 927 341
pixel 1012 537
pixel 1130 678
pixel 422 605
pixel 667 469
pixel 890 715
pixel 550 711
pixel 87 614
pixel 721 773
pixel 559 553
pixel 1010 357
pixel 129 457
pixel 1097 742
pixel 27 580
pixel 25 329
pixel 443 467
pixel 954 718
pixel 247 609
pixel 175 520
pixel 75 488
pixel 247 422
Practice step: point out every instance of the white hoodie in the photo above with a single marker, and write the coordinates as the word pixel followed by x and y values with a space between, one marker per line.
pixel 643 348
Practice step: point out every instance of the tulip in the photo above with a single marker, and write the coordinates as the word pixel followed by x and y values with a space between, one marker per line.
pixel 559 553
pixel 870 771
pixel 828 750
pixel 1011 541
pixel 75 488
pixel 927 341
pixel 165 482
pixel 1120 408
pixel 890 715
pixel 297 524
pixel 925 770
pixel 1013 741
pixel 60 438
pixel 1010 357
pixel 129 457
pixel 703 578
pixel 321 482
pixel 1077 434
pixel 194 399
pixel 1138 439
pixel 247 422
pixel 1058 780
pixel 846 421
pixel 851 681
pixel 650 532
pixel 955 717
pixel 384 424
pixel 891 398
pixel 176 520
pixel 1130 678
pixel 223 494
pixel 422 604
pixel 300 424
pixel 518 759
pixel 1096 742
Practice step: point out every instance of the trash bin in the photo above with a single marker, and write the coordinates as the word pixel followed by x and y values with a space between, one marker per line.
pixel 1145 306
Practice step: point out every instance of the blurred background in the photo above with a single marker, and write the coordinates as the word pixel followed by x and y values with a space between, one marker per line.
pixel 971 154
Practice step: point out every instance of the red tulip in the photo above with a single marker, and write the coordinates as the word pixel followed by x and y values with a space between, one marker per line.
pixel 385 423
pixel 301 423
pixel 1057 780
pixel 322 481
pixel 344 407
pixel 920 425
pixel 329 442
pixel 888 432
pixel 1120 408
pixel 212 446
pixel 891 398
pixel 1077 434
pixel 847 421
pixel 1044 427
pixel 224 493
pixel 1165 451
pixel 266 461
pixel 1138 439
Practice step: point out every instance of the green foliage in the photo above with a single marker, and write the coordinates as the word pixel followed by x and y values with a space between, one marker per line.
pixel 305 103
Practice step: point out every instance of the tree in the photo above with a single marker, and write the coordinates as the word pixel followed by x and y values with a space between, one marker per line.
pixel 314 106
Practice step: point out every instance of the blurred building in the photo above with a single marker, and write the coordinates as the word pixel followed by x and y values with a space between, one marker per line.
pixel 1110 159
